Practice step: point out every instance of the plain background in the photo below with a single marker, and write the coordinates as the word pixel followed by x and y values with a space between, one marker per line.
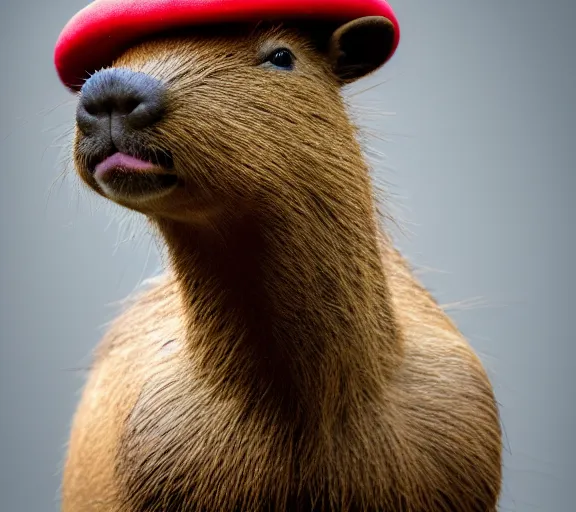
pixel 479 160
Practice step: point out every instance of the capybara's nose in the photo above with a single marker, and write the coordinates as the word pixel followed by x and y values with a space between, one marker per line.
pixel 118 98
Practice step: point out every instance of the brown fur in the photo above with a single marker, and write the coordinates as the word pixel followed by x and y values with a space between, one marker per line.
pixel 289 360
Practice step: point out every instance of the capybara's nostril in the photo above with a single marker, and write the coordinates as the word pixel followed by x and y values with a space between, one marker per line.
pixel 137 100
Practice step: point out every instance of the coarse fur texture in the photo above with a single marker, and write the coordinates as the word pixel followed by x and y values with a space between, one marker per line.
pixel 288 360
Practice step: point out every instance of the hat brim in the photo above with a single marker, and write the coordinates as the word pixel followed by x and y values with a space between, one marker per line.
pixel 97 34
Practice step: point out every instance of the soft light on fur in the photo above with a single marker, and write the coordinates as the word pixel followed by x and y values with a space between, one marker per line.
pixel 289 360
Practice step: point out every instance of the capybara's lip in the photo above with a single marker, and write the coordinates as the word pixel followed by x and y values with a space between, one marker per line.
pixel 142 160
pixel 128 177
pixel 122 161
pixel 129 183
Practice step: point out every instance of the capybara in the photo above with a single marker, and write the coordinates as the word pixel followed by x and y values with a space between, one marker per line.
pixel 288 360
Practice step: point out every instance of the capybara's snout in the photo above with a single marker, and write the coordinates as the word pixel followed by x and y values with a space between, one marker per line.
pixel 119 100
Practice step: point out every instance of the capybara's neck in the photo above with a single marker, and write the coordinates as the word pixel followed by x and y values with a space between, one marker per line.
pixel 289 307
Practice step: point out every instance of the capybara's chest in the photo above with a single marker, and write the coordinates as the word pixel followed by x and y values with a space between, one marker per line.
pixel 173 443
pixel 184 447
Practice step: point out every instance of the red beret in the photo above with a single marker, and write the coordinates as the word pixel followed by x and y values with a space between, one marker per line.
pixel 97 34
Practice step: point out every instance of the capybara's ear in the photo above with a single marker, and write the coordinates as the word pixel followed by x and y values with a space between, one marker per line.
pixel 360 47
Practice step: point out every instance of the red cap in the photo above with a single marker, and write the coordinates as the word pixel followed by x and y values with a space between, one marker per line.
pixel 97 34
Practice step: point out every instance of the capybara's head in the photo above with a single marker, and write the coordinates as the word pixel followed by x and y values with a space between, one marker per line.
pixel 223 118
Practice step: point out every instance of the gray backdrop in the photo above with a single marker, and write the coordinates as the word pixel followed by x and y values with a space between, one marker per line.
pixel 479 161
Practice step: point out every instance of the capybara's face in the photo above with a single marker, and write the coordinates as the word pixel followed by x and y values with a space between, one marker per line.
pixel 219 120
pixel 184 126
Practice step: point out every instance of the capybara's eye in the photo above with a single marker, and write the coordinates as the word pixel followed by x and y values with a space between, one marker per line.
pixel 282 58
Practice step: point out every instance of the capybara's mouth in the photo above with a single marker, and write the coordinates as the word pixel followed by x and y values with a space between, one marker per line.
pixel 125 184
pixel 131 177
pixel 143 159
